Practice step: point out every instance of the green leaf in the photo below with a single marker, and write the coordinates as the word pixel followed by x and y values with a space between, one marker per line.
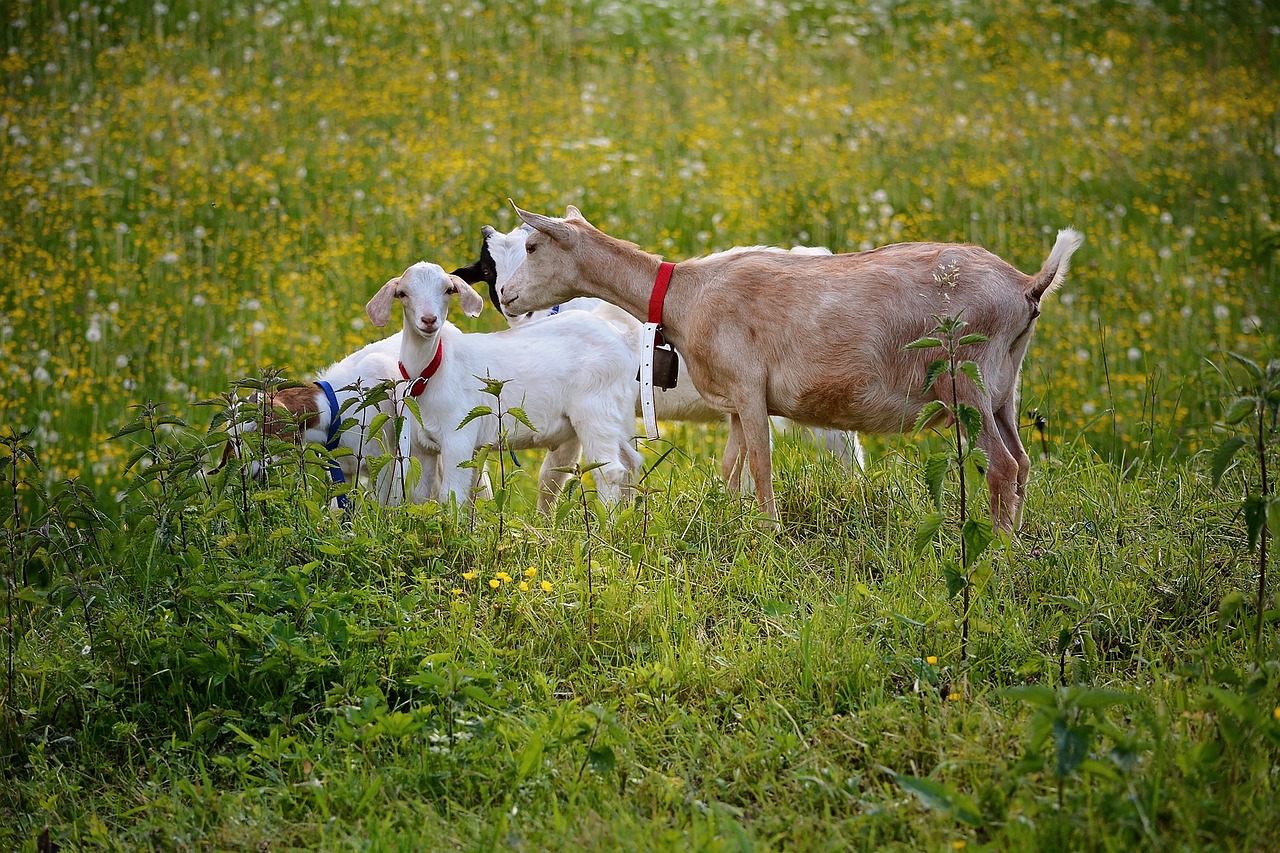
pixel 1254 517
pixel 602 759
pixel 1034 694
pixel 927 530
pixel 924 343
pixel 1229 607
pixel 1072 745
pixel 1249 364
pixel 956 581
pixel 977 534
pixel 971 419
pixel 128 429
pixel 1222 457
pixel 1273 516
pixel 1240 409
pixel 939 797
pixel 935 472
pixel 411 405
pixel 518 413
pixel 972 338
pixel 1096 697
pixel 970 369
pixel 928 413
pixel 477 412
pixel 935 370
pixel 530 755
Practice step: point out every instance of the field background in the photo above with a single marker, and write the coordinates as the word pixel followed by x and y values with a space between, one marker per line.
pixel 192 191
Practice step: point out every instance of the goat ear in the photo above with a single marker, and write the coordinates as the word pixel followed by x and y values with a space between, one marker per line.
pixel 556 229
pixel 379 307
pixel 487 231
pixel 471 273
pixel 472 303
pixel 572 212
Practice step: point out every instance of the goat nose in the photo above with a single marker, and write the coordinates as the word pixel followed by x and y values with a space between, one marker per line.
pixel 428 319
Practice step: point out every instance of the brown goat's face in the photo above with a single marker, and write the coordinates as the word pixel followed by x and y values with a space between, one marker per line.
pixel 550 270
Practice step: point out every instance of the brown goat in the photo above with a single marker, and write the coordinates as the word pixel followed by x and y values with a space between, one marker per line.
pixel 818 339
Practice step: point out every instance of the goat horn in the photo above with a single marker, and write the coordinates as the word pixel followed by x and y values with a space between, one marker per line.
pixel 553 228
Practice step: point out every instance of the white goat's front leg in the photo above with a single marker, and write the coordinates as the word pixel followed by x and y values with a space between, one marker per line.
pixel 550 480
pixel 456 482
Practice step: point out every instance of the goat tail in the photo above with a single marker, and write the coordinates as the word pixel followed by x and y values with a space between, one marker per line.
pixel 1054 271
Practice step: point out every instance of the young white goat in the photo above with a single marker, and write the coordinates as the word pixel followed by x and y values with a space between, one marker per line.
pixel 500 256
pixel 572 378
pixel 819 340
pixel 315 411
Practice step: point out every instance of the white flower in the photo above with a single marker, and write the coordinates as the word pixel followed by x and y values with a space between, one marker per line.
pixel 122 361
pixel 94 333
pixel 1221 312
pixel 1134 354
pixel 1089 409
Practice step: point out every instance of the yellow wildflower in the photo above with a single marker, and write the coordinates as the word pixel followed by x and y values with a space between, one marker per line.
pixel 931 660
pixel 546 586
pixel 494 583
pixel 531 572
pixel 524 586
pixel 468 576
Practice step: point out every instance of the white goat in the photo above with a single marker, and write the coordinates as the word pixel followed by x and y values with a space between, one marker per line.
pixel 820 340
pixel 572 378
pixel 500 256
pixel 312 409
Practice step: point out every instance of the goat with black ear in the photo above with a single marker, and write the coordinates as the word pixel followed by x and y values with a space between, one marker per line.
pixel 573 381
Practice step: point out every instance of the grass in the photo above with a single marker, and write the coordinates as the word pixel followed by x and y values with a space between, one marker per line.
pixel 190 192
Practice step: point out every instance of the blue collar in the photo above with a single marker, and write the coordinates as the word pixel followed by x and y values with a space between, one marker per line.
pixel 555 309
pixel 331 442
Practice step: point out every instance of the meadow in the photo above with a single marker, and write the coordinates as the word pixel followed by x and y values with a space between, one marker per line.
pixel 195 192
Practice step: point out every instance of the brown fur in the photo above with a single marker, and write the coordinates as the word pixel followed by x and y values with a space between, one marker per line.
pixel 819 339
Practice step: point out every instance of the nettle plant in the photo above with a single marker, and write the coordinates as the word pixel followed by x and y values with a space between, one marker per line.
pixel 965 422
pixel 1251 421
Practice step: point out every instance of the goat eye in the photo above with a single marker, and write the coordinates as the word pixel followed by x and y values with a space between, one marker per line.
pixel 529 250
pixel 399 294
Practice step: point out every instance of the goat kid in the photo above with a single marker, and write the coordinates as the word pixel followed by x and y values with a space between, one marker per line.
pixel 820 340
pixel 573 379
pixel 310 408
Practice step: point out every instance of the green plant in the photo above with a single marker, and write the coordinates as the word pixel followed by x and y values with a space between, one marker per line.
pixel 1071 715
pixel 493 387
pixel 966 423
pixel 1256 411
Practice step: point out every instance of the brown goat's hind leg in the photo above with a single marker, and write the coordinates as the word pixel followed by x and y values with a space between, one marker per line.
pixel 1002 470
pixel 1007 424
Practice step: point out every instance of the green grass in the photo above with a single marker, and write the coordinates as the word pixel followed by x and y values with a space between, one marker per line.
pixel 192 664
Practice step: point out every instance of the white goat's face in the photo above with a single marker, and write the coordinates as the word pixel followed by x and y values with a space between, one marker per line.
pixel 508 254
pixel 423 290
pixel 549 272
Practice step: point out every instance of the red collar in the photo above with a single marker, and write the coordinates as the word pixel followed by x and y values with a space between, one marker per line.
pixel 420 384
pixel 660 292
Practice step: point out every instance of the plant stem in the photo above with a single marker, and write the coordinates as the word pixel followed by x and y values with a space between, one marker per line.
pixel 1262 549
pixel 964 507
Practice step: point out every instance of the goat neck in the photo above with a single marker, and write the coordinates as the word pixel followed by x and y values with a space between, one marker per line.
pixel 624 275
pixel 418 350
